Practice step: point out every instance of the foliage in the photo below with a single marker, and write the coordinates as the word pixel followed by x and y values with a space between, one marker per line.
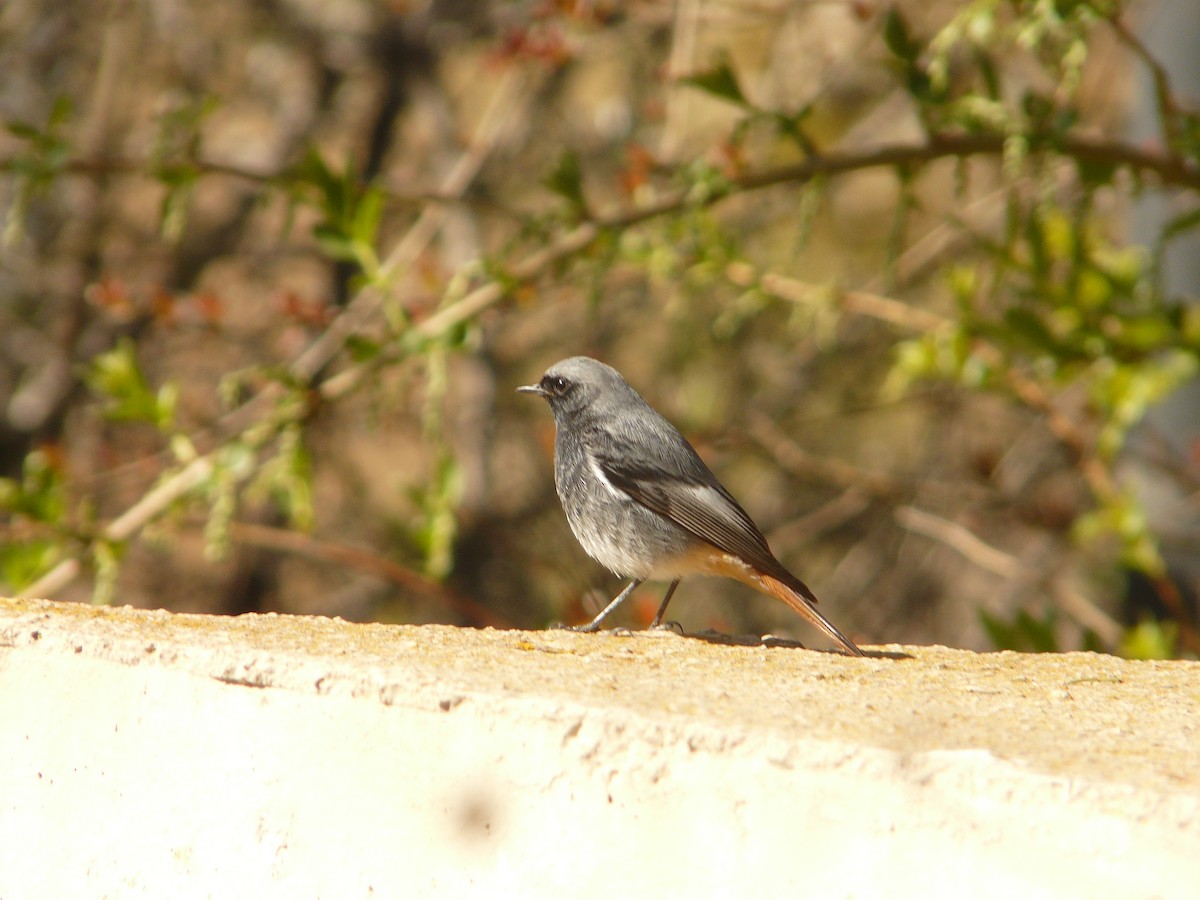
pixel 1046 307
pixel 38 164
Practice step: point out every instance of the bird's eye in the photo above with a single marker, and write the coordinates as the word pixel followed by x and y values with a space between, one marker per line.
pixel 557 385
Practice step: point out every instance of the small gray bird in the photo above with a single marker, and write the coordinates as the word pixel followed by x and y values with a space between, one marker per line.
pixel 642 502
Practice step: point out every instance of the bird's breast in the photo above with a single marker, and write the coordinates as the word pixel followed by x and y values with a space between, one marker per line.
pixel 615 530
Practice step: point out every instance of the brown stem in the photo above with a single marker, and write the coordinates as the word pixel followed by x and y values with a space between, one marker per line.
pixel 304 545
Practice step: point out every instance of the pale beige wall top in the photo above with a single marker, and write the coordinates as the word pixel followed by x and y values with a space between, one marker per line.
pixel 151 755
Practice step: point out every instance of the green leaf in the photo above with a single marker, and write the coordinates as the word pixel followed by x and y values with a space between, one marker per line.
pixel 1121 516
pixel 991 78
pixel 1151 640
pixel 1029 329
pixel 23 130
pixel 166 402
pixel 350 211
pixel 312 171
pixel 23 562
pixel 106 557
pixel 60 111
pixel 1126 392
pixel 720 82
pixel 361 348
pixel 897 37
pixel 286 479
pixel 177 147
pixel 367 215
pixel 439 524
pixel 1181 224
pixel 1095 173
pixel 40 494
pixel 36 167
pixel 335 243
pixel 117 379
pixel 1024 633
pixel 566 180
pixel 175 205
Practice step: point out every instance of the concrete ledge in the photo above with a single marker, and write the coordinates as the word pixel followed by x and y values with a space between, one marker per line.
pixel 152 755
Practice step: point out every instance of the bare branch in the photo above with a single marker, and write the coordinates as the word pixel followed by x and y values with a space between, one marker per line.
pixel 800 462
pixel 1169 170
pixel 298 544
pixel 1164 96
pixel 960 539
pixel 127 524
pixel 1009 567
pixel 361 310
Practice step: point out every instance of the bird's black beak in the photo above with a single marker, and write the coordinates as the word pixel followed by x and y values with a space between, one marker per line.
pixel 532 389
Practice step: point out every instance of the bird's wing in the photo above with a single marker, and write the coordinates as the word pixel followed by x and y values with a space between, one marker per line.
pixel 696 502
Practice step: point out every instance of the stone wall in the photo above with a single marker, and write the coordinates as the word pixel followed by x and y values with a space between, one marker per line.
pixel 151 755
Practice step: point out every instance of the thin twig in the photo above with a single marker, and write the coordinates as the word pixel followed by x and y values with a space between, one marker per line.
pixel 128 523
pixel 103 167
pixel 799 461
pixel 1164 96
pixel 833 514
pixel 982 554
pixel 1026 389
pixel 1169 170
pixel 864 303
pixel 299 544
pixel 961 540
pixel 361 309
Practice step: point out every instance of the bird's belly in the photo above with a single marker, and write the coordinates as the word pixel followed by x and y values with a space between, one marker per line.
pixel 621 534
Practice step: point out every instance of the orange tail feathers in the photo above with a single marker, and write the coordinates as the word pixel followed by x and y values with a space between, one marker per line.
pixel 797 601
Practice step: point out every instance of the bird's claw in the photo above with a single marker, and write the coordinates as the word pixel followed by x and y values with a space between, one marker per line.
pixel 671 627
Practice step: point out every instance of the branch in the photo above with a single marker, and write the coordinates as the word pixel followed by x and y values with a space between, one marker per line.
pixel 361 309
pixel 1172 171
pixel 1164 96
pixel 1009 567
pixel 99 167
pixel 886 309
pixel 863 303
pixel 1168 170
pixel 962 541
pixel 856 481
pixel 831 515
pixel 127 524
pixel 763 430
pixel 309 547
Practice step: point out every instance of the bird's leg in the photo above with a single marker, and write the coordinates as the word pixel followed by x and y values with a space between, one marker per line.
pixel 663 608
pixel 594 625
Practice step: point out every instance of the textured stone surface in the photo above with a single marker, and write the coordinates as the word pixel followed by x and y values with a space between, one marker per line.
pixel 149 754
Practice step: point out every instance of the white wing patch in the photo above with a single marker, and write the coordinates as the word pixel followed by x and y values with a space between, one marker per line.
pixel 598 471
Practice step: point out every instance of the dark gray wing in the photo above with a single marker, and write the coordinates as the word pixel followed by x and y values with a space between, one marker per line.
pixel 690 496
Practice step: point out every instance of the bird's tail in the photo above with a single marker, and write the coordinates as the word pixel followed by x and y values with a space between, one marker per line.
pixel 796 599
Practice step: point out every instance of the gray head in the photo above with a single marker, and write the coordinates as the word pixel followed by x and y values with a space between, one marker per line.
pixel 580 383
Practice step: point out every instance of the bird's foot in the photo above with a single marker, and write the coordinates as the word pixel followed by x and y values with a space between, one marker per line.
pixel 671 627
pixel 580 629
pixel 770 640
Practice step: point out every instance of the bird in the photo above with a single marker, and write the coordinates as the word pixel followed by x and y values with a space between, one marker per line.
pixel 641 501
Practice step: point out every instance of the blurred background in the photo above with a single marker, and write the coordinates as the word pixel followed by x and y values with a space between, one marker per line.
pixel 918 280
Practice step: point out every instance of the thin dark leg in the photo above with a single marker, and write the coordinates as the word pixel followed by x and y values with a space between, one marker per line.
pixel 594 625
pixel 663 608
